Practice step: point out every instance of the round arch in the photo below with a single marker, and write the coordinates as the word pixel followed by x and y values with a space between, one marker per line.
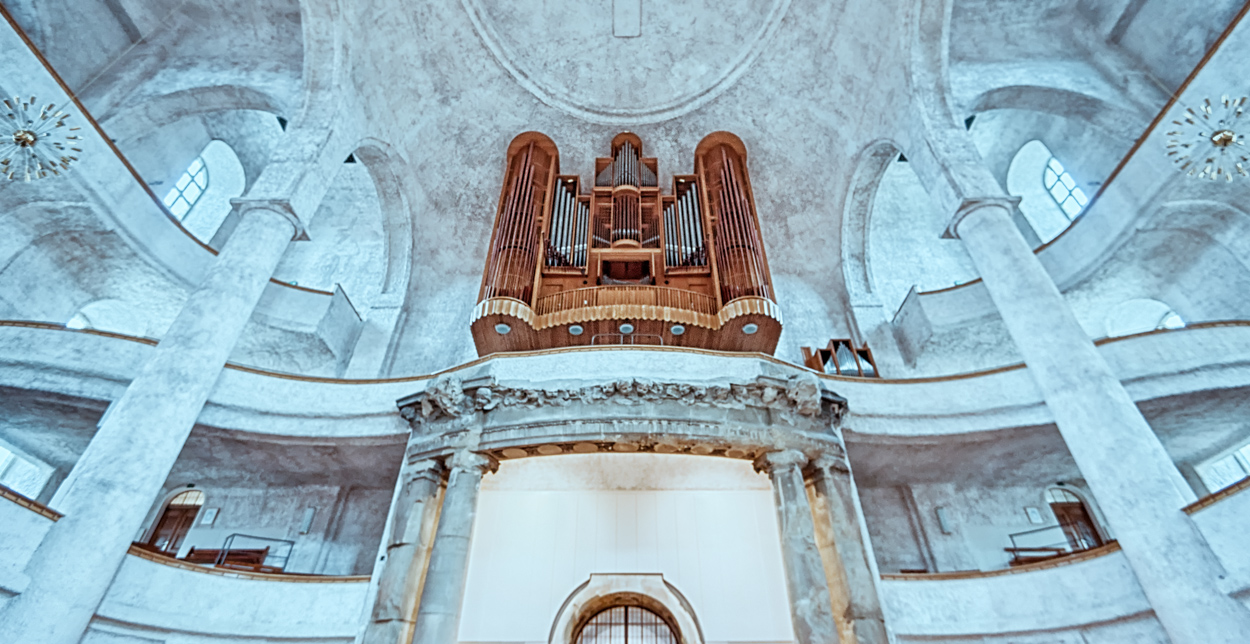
pixel 1064 103
pixel 388 167
pixel 870 167
pixel 160 111
pixel 604 591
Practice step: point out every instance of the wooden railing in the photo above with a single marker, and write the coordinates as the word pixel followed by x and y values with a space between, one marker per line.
pixel 626 295
pixel 29 503
pixel 1076 557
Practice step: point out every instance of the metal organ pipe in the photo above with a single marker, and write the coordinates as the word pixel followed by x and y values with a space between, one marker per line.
pixel 512 258
pixel 738 246
pixel 700 247
pixel 566 242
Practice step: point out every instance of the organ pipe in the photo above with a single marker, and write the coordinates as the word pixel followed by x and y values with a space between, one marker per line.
pixel 739 253
pixel 566 240
pixel 683 229
pixel 510 272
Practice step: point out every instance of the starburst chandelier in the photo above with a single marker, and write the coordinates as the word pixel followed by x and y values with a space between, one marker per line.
pixel 35 140
pixel 1210 141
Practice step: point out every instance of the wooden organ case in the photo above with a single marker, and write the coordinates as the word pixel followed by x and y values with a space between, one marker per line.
pixel 621 263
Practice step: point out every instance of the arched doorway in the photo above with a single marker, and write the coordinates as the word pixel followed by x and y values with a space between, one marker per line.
pixel 626 625
pixel 176 521
pixel 1074 518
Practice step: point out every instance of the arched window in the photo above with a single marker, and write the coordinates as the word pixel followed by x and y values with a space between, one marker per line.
pixel 1063 189
pixel 175 522
pixel 626 625
pixel 1050 198
pixel 1074 518
pixel 187 190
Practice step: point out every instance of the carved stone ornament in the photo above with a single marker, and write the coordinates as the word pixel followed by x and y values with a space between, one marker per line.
pixel 450 397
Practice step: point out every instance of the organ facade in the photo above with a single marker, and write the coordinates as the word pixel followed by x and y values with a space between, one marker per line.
pixel 620 261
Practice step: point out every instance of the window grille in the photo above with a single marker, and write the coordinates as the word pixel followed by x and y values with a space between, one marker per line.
pixel 626 625
pixel 1063 189
pixel 190 187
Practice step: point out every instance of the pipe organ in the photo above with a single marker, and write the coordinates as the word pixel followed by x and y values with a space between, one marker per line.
pixel 622 262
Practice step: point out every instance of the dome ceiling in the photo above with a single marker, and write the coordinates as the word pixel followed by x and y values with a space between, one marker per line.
pixel 687 52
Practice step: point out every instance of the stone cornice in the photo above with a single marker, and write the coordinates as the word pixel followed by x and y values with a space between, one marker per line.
pixel 450 399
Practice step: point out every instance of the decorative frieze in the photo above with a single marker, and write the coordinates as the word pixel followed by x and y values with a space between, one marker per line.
pixel 450 398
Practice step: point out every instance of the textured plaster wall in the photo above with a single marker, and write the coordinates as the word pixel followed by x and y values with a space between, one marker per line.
pixel 799 156
pixel 347 243
pixel 342 539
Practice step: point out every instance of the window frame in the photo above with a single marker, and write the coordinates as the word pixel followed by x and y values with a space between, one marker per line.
pixel 1067 185
pixel 625 624
pixel 192 176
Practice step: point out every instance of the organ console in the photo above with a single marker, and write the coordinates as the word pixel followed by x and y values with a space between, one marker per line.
pixel 619 262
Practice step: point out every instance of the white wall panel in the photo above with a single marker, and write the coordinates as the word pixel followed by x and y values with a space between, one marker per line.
pixel 544 525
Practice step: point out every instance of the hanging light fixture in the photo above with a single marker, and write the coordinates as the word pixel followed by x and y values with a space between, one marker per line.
pixel 35 140
pixel 1210 141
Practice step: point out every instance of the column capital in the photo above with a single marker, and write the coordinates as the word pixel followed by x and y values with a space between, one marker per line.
pixel 425 469
pixel 771 462
pixel 245 205
pixel 969 205
pixel 827 464
pixel 475 462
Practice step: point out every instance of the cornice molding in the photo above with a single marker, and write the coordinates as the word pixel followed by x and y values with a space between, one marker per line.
pixel 449 398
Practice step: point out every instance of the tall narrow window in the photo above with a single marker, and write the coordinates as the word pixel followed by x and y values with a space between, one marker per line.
pixel 175 522
pixel 1074 519
pixel 626 625
pixel 182 197
pixel 1063 189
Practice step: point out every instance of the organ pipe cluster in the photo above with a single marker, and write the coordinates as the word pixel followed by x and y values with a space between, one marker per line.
pixel 511 265
pixel 687 265
pixel 566 244
pixel 739 253
pixel 683 228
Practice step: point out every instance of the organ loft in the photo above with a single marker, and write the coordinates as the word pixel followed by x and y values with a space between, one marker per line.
pixel 621 262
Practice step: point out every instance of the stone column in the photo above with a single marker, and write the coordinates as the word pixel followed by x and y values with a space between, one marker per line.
pixel 810 608
pixel 840 537
pixel 107 495
pixel 438 619
pixel 1137 485
pixel 413 521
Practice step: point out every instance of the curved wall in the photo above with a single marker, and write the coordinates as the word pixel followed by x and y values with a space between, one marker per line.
pixel 149 601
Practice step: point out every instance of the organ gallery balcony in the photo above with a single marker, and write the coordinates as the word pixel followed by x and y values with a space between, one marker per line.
pixel 621 263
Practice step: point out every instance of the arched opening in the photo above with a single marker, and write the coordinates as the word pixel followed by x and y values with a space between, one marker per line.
pixel 176 521
pixel 200 198
pixel 905 244
pixel 1074 519
pixel 1050 197
pixel 626 625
